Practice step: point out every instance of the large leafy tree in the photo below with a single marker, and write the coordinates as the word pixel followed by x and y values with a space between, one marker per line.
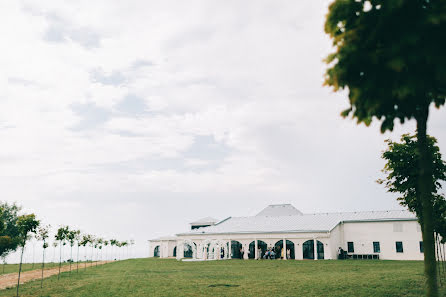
pixel 9 232
pixel 389 56
pixel 402 173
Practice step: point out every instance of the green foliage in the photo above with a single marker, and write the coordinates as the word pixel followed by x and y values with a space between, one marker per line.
pixel 62 234
pixel 26 224
pixel 389 55
pixel 402 174
pixel 43 234
pixel 9 233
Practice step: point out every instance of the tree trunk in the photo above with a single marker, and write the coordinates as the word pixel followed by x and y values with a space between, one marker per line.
pixel 43 266
pixel 77 268
pixel 71 257
pixel 20 268
pixel 60 259
pixel 425 187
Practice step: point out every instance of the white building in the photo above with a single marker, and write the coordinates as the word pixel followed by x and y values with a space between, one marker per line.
pixel 389 235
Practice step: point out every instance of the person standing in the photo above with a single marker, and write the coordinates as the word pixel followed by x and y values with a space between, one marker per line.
pixel 242 251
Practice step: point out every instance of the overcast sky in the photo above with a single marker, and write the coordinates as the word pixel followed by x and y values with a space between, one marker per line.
pixel 130 119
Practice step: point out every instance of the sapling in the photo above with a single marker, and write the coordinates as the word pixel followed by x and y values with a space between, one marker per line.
pixel 84 242
pixel 78 241
pixel 43 234
pixel 71 237
pixel 26 224
pixel 61 235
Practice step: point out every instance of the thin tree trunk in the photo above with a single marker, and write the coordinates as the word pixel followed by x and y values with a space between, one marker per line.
pixel 77 268
pixel 71 257
pixel 60 260
pixel 43 266
pixel 20 268
pixel 425 187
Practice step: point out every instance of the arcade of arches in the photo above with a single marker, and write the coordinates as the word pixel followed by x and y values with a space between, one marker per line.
pixel 218 249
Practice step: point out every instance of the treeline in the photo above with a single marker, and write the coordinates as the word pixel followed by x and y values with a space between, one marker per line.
pixel 16 230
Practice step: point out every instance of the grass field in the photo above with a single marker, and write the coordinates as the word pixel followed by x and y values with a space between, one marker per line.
pixel 157 277
pixel 11 268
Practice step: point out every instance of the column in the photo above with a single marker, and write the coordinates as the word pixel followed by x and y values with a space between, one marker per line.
pixel 284 248
pixel 256 245
pixel 297 251
pixel 230 249
pixel 315 248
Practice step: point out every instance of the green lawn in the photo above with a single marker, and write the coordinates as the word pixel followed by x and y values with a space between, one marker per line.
pixel 156 277
pixel 11 268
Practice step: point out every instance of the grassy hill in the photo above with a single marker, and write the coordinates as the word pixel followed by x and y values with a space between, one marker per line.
pixel 157 277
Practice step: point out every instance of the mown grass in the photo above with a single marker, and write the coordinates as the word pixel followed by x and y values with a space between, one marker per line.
pixel 14 268
pixel 159 277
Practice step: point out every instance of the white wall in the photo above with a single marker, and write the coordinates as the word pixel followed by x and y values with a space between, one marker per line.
pixel 363 234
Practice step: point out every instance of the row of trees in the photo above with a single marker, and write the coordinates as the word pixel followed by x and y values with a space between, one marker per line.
pixel 16 230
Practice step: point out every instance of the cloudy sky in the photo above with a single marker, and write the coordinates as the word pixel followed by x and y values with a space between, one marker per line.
pixel 132 118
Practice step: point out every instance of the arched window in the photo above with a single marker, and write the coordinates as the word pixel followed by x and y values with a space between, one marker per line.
pixel 289 246
pixel 175 251
pixel 156 251
pixel 188 251
pixel 260 245
pixel 235 249
pixel 308 250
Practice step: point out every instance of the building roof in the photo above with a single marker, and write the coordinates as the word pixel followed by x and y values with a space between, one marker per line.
pixel 206 220
pixel 318 222
pixel 276 210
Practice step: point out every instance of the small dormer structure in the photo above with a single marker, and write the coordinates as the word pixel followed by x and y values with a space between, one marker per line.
pixel 278 210
pixel 204 222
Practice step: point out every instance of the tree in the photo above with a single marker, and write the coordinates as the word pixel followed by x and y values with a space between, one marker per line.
pixel 71 237
pixel 43 234
pixel 402 175
pixel 9 233
pixel 61 236
pixel 26 225
pixel 389 55
pixel 106 242
pixel 78 241
pixel 85 240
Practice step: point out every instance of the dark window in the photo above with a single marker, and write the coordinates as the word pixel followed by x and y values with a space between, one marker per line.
pixel 350 247
pixel 421 247
pixel 376 247
pixel 399 246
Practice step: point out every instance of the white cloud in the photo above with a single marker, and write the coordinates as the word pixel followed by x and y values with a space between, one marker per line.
pixel 248 75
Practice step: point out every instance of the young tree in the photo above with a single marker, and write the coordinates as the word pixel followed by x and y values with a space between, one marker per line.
pixel 43 234
pixel 26 225
pixel 85 240
pixel 106 242
pixel 61 236
pixel 389 55
pixel 402 174
pixel 78 242
pixel 98 247
pixel 55 244
pixel 71 237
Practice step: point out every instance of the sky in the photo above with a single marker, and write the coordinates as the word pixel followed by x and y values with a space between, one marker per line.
pixel 130 119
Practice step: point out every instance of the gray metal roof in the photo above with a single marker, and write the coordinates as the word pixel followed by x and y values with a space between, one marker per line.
pixel 204 221
pixel 279 210
pixel 318 222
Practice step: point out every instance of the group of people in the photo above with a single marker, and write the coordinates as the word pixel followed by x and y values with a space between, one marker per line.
pixel 270 253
